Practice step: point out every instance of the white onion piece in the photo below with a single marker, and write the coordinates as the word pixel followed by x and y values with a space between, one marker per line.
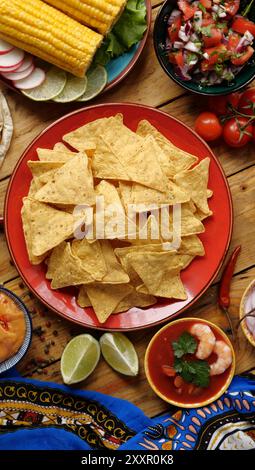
pixel 198 18
pixel 175 14
pixel 192 47
pixel 178 45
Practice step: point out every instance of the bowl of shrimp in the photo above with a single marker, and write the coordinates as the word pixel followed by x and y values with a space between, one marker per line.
pixel 190 362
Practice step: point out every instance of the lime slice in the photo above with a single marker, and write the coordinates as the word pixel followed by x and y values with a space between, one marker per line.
pixel 97 79
pixel 120 353
pixel 79 358
pixel 51 87
pixel 74 88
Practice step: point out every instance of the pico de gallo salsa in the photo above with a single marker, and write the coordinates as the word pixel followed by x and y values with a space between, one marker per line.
pixel 208 41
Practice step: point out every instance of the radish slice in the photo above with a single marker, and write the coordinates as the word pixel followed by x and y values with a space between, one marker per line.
pixel 19 75
pixel 5 47
pixel 12 58
pixel 34 80
pixel 26 64
pixel 11 69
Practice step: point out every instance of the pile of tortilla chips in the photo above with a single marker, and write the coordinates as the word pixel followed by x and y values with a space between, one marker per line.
pixel 114 272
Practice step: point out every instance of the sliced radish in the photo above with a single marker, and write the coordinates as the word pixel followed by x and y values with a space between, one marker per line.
pixel 11 69
pixel 19 75
pixel 5 47
pixel 12 58
pixel 34 80
pixel 26 64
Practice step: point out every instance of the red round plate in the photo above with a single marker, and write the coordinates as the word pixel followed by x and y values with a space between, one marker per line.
pixel 196 278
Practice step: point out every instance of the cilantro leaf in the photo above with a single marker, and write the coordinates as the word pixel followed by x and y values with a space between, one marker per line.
pixel 196 372
pixel 186 344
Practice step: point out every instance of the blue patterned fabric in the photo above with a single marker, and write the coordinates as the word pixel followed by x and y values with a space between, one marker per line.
pixel 47 416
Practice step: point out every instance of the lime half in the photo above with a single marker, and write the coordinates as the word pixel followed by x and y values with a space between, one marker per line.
pixel 79 358
pixel 73 89
pixel 97 79
pixel 120 353
pixel 52 86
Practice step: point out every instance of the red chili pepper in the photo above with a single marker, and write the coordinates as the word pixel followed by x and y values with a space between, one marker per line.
pixel 223 296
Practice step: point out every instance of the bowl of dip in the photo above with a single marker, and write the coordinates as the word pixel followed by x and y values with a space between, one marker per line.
pixel 15 329
pixel 247 305
pixel 190 362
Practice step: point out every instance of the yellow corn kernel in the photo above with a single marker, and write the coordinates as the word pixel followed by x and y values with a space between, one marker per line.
pixel 49 34
pixel 97 14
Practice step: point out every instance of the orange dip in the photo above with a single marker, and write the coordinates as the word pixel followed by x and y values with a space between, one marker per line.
pixel 12 327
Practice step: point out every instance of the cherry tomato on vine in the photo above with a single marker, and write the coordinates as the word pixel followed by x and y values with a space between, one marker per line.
pixel 237 132
pixel 208 126
pixel 247 102
pixel 220 105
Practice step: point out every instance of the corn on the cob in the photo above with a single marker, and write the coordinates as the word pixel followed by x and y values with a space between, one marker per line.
pixel 49 34
pixel 97 14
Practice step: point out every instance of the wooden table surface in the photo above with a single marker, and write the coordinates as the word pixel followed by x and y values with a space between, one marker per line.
pixel 146 84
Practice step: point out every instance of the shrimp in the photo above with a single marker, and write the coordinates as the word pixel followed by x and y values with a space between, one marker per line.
pixel 206 340
pixel 224 359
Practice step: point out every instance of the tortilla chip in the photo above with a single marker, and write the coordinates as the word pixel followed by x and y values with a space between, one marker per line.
pixel 150 197
pixel 38 168
pixel 134 162
pixel 201 215
pixel 179 159
pixel 192 245
pixel 84 139
pixel 105 298
pixel 115 272
pixel 189 224
pixel 49 226
pixel 48 155
pixel 62 147
pixel 135 299
pixel 159 274
pixel 35 185
pixel 65 269
pixel 195 182
pixel 91 256
pixel 70 184
pixel 83 300
pixel 25 215
pixel 125 189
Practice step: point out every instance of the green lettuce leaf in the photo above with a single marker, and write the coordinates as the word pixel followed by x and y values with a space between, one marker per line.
pixel 128 31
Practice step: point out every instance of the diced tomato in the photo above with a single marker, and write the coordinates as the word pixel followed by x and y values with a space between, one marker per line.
pixel 232 6
pixel 240 25
pixel 174 29
pixel 214 38
pixel 176 58
pixel 207 19
pixel 233 41
pixel 216 54
pixel 168 370
pixel 206 3
pixel 187 9
pixel 243 58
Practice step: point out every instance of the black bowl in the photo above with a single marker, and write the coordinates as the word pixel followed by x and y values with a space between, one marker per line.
pixel 242 79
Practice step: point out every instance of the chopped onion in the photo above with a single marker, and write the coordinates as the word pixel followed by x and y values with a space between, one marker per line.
pixel 245 41
pixel 198 18
pixel 215 8
pixel 184 34
pixel 206 55
pixel 178 45
pixel 192 47
pixel 182 72
pixel 175 14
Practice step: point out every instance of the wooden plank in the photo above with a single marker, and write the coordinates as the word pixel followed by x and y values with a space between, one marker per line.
pixel 187 109
pixel 3 188
pixel 134 389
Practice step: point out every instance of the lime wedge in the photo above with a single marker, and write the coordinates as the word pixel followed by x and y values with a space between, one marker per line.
pixel 97 79
pixel 52 86
pixel 120 353
pixel 74 88
pixel 79 358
